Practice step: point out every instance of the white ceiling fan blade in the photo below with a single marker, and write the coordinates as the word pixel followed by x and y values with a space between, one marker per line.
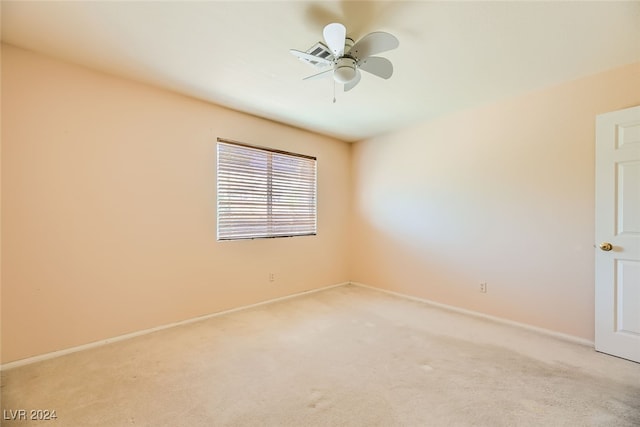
pixel 334 35
pixel 309 57
pixel 378 66
pixel 374 43
pixel 352 83
pixel 325 73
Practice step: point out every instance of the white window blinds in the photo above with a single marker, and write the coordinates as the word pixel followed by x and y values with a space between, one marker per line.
pixel 264 193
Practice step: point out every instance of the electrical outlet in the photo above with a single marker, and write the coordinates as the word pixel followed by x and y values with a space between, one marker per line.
pixel 272 277
pixel 483 287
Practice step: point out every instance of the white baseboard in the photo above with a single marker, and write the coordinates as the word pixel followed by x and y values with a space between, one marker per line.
pixel 559 335
pixel 54 354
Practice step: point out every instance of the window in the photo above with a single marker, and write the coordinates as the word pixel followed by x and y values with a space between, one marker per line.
pixel 264 192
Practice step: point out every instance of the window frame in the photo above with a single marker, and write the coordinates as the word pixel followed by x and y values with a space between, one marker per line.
pixel 269 203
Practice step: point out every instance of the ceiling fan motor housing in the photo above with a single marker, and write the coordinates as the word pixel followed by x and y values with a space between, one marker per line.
pixel 344 70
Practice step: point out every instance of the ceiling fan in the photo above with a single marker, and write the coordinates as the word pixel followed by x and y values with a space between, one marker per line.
pixel 346 58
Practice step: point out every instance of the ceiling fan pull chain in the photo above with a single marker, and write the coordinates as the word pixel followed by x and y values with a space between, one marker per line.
pixel 334 91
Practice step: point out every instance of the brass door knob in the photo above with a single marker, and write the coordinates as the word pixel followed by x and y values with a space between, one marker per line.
pixel 606 246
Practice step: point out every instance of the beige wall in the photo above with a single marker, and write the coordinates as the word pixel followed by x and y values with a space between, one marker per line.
pixel 502 194
pixel 108 210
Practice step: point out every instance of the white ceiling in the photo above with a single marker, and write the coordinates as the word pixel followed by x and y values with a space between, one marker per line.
pixel 452 55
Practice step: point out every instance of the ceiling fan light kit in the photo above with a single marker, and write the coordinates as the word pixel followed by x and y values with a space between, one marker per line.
pixel 344 70
pixel 347 58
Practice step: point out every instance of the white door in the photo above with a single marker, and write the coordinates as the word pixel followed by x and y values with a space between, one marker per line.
pixel 618 233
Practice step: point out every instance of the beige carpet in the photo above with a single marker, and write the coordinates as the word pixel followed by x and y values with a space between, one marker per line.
pixel 346 356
